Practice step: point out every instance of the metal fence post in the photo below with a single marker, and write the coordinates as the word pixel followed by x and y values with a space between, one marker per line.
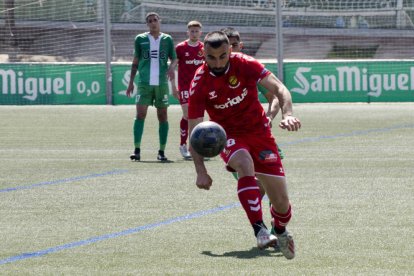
pixel 108 53
pixel 279 40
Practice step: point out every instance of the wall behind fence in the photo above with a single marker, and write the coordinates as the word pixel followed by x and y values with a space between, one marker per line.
pixel 328 81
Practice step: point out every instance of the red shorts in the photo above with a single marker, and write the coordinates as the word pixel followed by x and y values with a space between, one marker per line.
pixel 262 149
pixel 183 97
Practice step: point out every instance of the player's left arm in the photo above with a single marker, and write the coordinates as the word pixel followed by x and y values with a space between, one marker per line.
pixel 272 84
pixel 273 107
pixel 171 76
pixel 173 61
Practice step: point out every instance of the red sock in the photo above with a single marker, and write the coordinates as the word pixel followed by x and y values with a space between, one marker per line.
pixel 183 131
pixel 281 220
pixel 250 198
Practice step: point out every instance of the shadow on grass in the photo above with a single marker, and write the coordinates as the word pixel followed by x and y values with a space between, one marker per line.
pixel 154 161
pixel 253 253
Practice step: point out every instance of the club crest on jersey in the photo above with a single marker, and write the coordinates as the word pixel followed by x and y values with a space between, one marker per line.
pixel 233 82
pixel 200 53
pixel 212 94
pixel 268 156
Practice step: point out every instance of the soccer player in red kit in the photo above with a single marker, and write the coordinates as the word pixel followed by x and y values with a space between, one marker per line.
pixel 226 87
pixel 190 57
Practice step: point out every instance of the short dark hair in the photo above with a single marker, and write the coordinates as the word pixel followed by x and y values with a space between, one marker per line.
pixel 231 32
pixel 151 14
pixel 216 39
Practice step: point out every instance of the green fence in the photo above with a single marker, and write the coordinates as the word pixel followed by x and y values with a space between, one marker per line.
pixel 30 84
pixel 351 81
pixel 339 81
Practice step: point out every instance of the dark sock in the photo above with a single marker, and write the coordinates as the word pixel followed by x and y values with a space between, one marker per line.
pixel 257 226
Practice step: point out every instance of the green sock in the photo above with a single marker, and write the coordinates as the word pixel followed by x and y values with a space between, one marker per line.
pixel 235 175
pixel 138 130
pixel 163 134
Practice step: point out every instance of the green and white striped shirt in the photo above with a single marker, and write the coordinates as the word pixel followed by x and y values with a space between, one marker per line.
pixel 153 55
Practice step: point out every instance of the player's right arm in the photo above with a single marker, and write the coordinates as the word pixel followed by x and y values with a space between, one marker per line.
pixel 196 108
pixel 134 66
pixel 204 180
pixel 134 69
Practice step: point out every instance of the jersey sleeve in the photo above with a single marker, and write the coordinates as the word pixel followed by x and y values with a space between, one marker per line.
pixel 177 51
pixel 172 54
pixel 137 50
pixel 256 70
pixel 196 102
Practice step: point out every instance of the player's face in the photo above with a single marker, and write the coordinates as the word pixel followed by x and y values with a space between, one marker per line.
pixel 236 46
pixel 194 34
pixel 217 59
pixel 153 23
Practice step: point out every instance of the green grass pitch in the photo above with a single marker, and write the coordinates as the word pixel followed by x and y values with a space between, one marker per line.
pixel 72 203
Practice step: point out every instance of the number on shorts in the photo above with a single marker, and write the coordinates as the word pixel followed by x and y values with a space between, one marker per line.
pixel 184 94
pixel 230 142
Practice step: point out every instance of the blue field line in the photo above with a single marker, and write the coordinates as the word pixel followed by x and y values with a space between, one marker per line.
pixel 61 181
pixel 130 231
pixel 348 134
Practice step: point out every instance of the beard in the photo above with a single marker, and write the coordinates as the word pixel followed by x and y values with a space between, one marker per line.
pixel 219 71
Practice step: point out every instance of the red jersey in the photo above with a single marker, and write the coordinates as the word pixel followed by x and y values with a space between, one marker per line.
pixel 232 98
pixel 189 59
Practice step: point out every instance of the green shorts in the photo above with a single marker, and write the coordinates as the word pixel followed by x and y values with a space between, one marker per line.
pixel 156 95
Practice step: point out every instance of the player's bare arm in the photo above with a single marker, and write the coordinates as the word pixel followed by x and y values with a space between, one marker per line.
pixel 171 76
pixel 204 180
pixel 134 70
pixel 274 85
pixel 273 107
pixel 171 70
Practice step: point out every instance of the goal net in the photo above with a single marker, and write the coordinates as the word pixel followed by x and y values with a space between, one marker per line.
pixel 69 32
pixel 61 30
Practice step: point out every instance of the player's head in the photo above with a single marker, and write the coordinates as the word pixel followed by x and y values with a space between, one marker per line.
pixel 234 39
pixel 217 52
pixel 194 30
pixel 153 21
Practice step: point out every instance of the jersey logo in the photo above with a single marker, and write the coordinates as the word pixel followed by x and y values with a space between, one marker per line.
pixel 268 156
pixel 200 53
pixel 212 94
pixel 194 61
pixel 233 82
pixel 230 102
pixel 154 53
pixel 187 54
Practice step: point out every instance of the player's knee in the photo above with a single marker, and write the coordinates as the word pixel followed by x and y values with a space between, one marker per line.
pixel 243 164
pixel 141 116
pixel 281 204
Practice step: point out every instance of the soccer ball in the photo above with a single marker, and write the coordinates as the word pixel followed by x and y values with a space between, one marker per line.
pixel 208 139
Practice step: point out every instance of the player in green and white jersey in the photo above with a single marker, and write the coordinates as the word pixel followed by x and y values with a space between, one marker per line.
pixel 152 51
